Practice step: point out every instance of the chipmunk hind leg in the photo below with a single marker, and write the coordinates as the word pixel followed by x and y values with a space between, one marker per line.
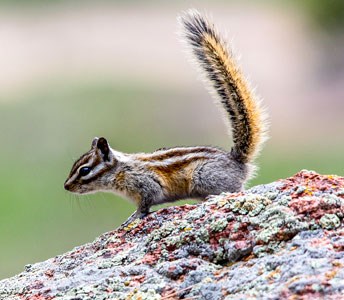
pixel 218 176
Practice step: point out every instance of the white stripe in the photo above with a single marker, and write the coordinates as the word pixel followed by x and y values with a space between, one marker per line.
pixel 120 156
pixel 169 161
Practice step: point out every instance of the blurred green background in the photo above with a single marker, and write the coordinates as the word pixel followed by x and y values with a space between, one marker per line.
pixel 72 70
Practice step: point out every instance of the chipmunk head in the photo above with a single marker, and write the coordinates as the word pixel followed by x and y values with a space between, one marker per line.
pixel 89 173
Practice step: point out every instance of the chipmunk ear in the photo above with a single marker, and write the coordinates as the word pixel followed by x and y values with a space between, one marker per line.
pixel 94 142
pixel 104 148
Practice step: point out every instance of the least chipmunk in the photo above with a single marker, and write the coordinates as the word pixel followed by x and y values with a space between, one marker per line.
pixel 183 172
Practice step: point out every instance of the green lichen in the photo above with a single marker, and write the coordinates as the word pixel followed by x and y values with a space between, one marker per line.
pixel 317 288
pixel 202 235
pixel 275 246
pixel 277 222
pixel 284 200
pixel 250 204
pixel 187 231
pixel 329 221
pixel 300 189
pixel 267 234
pixel 220 255
pixel 198 213
pixel 340 192
pixel 254 205
pixel 175 241
pixel 236 227
pixel 118 259
pixel 185 225
pixel 113 239
pixel 148 295
pixel 164 255
pixel 333 200
pixel 313 225
pixel 107 265
pixel 218 225
pixel 271 195
pixel 158 234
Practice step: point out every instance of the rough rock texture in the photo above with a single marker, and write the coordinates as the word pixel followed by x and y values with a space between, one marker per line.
pixel 284 240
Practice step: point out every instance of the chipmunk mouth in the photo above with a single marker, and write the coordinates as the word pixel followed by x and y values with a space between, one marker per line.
pixel 75 188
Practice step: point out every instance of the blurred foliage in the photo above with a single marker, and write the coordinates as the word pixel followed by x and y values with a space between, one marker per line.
pixel 43 3
pixel 328 14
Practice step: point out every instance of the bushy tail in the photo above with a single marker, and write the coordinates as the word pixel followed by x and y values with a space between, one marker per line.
pixel 230 87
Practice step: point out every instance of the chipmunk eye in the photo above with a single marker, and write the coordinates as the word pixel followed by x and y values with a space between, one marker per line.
pixel 84 171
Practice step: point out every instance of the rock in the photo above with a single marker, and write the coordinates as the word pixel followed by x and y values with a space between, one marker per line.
pixel 283 240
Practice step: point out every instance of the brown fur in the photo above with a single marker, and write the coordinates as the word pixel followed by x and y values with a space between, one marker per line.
pixel 176 178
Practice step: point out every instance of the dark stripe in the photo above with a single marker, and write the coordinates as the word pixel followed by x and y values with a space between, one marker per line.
pixel 177 165
pixel 173 152
pixel 96 175
pixel 81 161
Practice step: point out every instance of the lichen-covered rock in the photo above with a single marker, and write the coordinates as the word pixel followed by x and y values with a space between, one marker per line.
pixel 284 240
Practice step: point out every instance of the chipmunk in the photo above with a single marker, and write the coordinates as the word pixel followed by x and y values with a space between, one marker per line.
pixel 168 175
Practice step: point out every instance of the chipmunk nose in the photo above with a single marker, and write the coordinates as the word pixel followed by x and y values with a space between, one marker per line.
pixel 67 186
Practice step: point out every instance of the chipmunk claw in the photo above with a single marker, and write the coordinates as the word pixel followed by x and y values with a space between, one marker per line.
pixel 133 220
